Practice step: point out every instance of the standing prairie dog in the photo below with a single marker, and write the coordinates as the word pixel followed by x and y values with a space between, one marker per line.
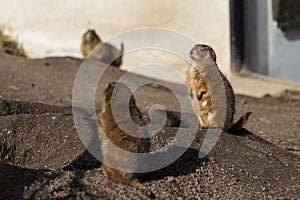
pixel 93 47
pixel 204 79
pixel 110 130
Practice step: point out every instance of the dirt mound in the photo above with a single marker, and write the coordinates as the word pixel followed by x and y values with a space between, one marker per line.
pixel 42 156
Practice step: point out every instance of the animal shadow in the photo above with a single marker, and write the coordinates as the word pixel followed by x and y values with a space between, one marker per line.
pixel 84 161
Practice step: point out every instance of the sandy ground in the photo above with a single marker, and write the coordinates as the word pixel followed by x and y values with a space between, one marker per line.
pixel 42 156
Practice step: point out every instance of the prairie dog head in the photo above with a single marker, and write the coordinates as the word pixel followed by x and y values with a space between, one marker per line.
pixel 120 93
pixel 203 54
pixel 90 36
pixel 89 41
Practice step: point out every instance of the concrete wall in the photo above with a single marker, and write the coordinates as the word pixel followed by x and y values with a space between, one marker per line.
pixel 54 28
pixel 284 55
pixel 270 52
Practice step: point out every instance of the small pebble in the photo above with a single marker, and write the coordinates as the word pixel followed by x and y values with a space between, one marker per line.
pixel 12 87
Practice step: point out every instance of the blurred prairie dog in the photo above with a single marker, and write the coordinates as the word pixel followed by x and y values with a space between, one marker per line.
pixel 92 47
pixel 110 129
pixel 199 78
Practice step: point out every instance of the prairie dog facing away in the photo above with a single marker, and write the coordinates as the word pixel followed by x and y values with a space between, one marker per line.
pixel 202 82
pixel 92 44
pixel 110 129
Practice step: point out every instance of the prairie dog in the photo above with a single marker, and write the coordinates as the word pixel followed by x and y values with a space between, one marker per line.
pixel 202 82
pixel 92 44
pixel 110 129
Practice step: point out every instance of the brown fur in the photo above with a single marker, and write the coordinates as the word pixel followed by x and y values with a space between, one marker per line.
pixel 92 47
pixel 202 82
pixel 110 129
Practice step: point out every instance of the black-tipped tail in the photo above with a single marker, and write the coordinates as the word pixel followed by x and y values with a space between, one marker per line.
pixel 122 48
pixel 241 122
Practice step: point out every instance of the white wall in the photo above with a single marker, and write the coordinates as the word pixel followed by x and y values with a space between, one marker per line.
pixel 54 28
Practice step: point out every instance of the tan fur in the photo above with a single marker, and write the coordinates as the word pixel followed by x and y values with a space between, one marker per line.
pixel 202 82
pixel 110 129
pixel 92 47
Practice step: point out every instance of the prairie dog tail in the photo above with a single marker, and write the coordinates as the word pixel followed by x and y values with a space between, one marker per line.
pixel 122 48
pixel 241 122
